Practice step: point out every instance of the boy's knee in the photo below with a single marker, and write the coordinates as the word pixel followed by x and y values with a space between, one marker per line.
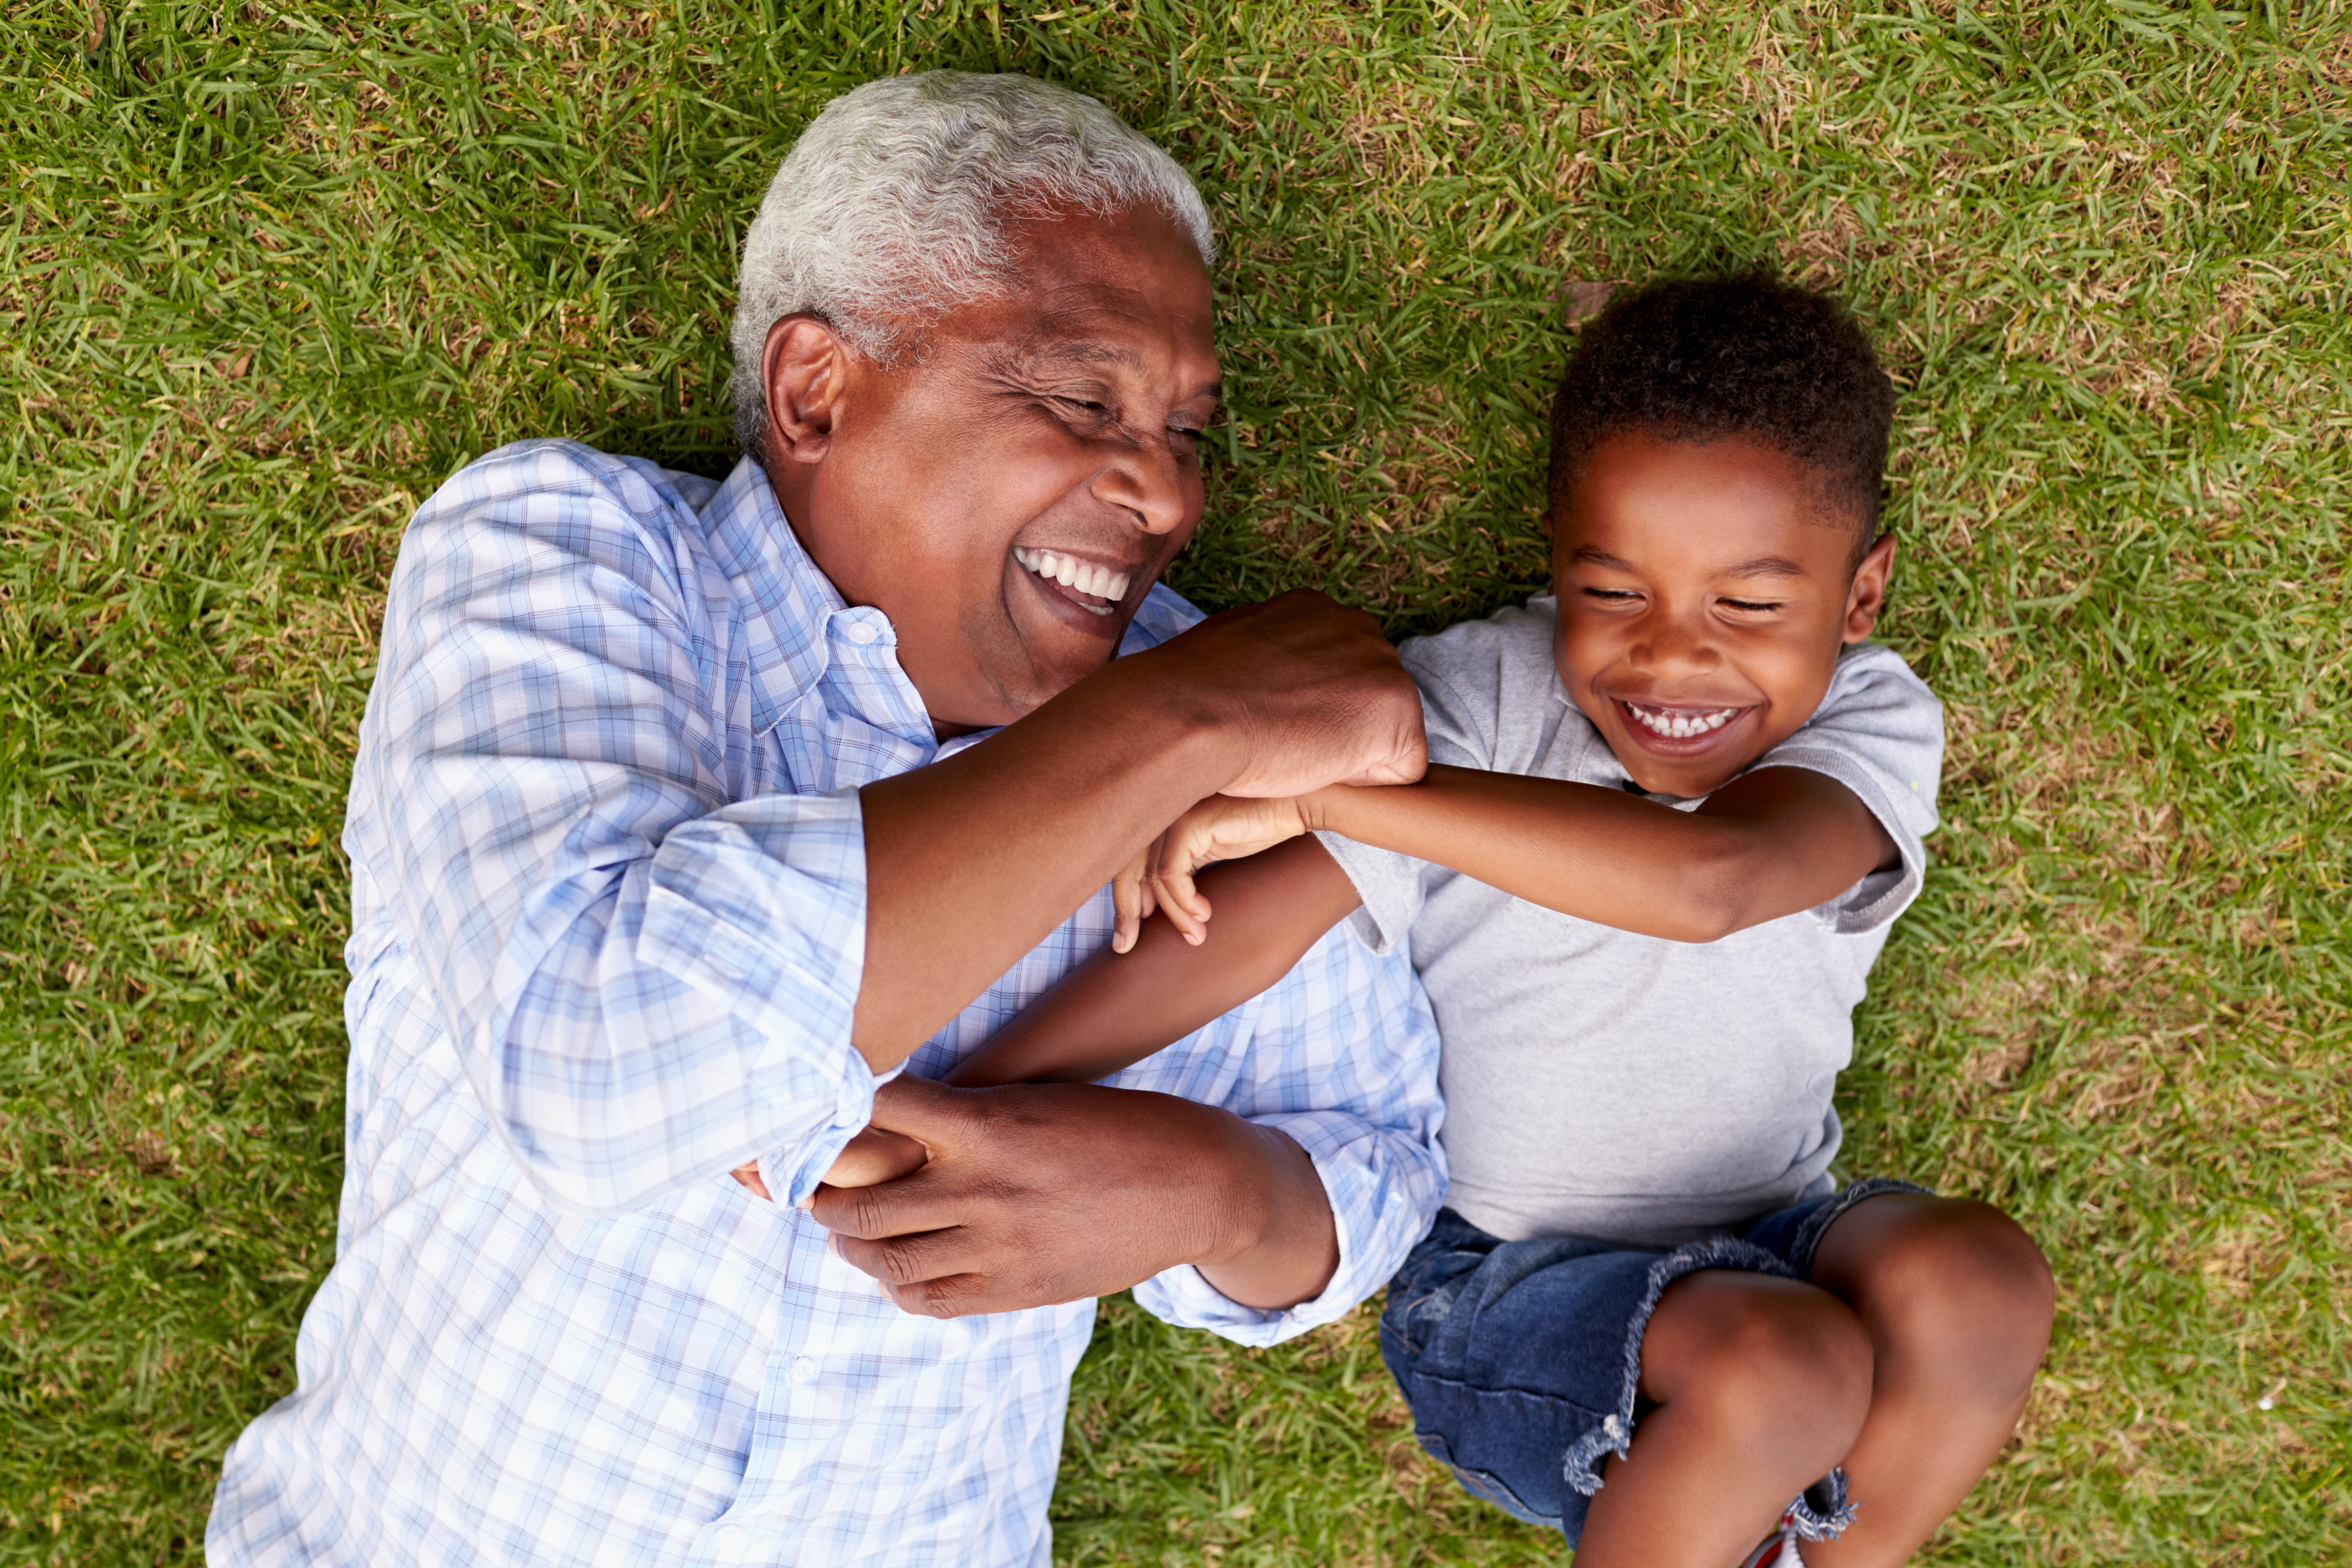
pixel 1783 1363
pixel 1965 1282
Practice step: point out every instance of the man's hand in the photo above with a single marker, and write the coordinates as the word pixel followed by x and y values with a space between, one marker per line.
pixel 876 1155
pixel 873 1156
pixel 1314 691
pixel 1221 828
pixel 1039 1194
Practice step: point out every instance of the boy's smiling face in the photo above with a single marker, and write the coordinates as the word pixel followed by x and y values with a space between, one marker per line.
pixel 1703 598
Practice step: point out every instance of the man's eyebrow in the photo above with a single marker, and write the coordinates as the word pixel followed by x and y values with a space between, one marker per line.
pixel 1043 350
pixel 1079 351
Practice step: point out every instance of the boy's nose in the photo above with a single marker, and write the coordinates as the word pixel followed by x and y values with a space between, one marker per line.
pixel 1673 650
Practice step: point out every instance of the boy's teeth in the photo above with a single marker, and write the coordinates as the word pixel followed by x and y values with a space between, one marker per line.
pixel 1071 572
pixel 1676 724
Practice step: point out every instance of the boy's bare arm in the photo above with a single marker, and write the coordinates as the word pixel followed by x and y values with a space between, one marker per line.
pixel 1771 844
pixel 1116 1009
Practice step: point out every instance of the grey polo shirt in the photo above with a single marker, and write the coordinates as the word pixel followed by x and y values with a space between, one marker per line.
pixel 1602 1083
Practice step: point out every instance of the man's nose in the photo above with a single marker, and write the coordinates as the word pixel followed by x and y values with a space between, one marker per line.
pixel 1147 479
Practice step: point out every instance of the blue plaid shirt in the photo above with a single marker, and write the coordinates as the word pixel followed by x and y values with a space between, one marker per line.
pixel 608 913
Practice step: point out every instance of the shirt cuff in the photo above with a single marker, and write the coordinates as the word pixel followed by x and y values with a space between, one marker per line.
pixel 761 907
pixel 792 1174
pixel 1379 1207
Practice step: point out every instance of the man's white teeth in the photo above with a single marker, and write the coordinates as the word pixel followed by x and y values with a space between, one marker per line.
pixel 1676 724
pixel 1072 572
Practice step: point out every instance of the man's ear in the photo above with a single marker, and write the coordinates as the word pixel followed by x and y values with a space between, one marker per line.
pixel 1867 596
pixel 803 369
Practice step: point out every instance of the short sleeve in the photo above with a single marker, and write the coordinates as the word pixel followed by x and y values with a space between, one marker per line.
pixel 1391 886
pixel 1462 732
pixel 1879 731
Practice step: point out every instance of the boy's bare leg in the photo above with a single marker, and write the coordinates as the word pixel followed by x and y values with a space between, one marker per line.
pixel 1760 1386
pixel 1956 1300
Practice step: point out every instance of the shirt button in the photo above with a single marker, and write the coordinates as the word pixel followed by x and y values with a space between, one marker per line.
pixel 803 1369
pixel 862 631
pixel 729 1534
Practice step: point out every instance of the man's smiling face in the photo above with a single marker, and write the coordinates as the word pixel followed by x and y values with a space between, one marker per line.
pixel 1702 601
pixel 1010 495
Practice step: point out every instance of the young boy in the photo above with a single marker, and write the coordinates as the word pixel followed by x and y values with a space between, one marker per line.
pixel 1672 810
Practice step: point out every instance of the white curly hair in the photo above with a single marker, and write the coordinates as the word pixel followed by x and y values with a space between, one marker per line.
pixel 891 208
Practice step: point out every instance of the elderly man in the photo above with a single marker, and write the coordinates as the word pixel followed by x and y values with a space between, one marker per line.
pixel 682 821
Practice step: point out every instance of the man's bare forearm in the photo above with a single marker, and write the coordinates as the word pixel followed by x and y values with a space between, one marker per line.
pixel 971 862
pixel 1769 844
pixel 1286 1246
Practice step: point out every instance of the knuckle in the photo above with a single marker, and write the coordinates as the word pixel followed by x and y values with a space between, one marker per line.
pixel 945 1298
pixel 860 1212
pixel 900 1262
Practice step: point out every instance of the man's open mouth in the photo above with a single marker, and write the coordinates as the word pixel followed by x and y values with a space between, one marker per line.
pixel 1092 588
pixel 1679 723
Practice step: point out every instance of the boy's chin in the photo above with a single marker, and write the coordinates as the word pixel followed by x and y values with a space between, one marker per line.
pixel 1683 780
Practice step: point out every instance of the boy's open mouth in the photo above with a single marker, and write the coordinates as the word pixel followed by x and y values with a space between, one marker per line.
pixel 1094 589
pixel 1679 723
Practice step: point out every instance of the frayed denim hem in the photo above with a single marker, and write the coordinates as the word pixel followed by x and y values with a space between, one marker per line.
pixel 1581 1467
pixel 1823 1511
pixel 1817 1224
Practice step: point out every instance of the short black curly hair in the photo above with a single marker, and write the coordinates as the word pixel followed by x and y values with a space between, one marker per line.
pixel 1699 359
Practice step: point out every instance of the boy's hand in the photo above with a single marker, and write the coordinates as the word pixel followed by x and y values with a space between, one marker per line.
pixel 1221 828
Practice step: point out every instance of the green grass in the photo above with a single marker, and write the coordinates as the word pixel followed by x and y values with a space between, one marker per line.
pixel 268 273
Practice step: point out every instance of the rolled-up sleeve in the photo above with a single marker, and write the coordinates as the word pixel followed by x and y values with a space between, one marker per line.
pixel 1343 1056
pixel 647 979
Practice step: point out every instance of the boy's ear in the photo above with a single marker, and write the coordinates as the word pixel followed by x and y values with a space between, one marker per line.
pixel 1867 594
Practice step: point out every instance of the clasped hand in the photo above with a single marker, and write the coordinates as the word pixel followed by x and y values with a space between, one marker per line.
pixel 1038 1194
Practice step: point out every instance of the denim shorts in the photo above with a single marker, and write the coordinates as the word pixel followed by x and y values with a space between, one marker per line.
pixel 1522 1360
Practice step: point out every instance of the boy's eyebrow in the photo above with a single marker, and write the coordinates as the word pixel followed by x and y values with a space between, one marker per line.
pixel 1766 565
pixel 1761 566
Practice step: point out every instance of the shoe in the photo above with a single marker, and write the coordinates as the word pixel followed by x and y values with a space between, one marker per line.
pixel 1779 1550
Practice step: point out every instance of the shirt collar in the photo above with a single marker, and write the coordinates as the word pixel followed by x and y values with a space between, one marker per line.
pixel 792 613
pixel 795 623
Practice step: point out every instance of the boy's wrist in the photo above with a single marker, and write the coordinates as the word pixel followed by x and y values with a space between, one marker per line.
pixel 1316 806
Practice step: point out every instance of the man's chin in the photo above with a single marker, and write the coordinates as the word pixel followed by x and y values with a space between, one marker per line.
pixel 1028 681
